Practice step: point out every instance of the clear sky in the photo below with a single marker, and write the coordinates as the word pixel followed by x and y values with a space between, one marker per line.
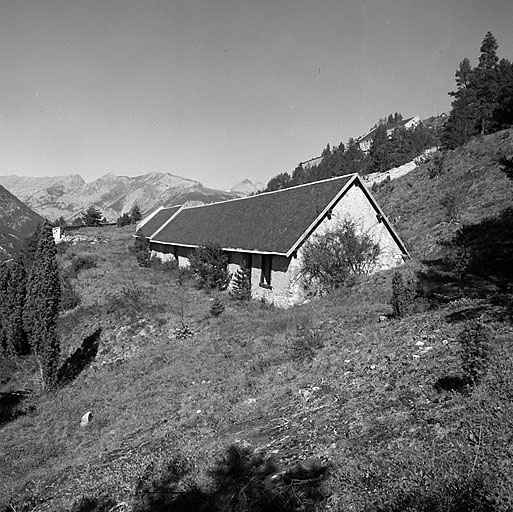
pixel 221 90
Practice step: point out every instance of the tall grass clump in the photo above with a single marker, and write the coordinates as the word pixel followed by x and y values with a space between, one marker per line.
pixel 79 263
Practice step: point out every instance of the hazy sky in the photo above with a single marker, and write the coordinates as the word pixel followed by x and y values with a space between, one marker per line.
pixel 220 90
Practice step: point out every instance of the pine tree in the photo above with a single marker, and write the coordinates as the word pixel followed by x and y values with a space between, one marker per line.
pixel 92 216
pixel 29 246
pixel 42 308
pixel 124 220
pixel 135 214
pixel 354 159
pixel 4 316
pixel 379 152
pixel 461 123
pixel 482 95
pixel 487 83
pixel 503 113
pixel 17 342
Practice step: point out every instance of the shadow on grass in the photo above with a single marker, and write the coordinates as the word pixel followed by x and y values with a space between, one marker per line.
pixel 13 405
pixel 478 262
pixel 77 361
pixel 242 481
pixel 451 383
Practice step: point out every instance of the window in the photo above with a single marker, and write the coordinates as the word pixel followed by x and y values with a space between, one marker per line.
pixel 265 276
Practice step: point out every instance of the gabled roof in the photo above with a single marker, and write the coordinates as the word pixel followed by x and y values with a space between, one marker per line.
pixel 267 223
pixel 156 220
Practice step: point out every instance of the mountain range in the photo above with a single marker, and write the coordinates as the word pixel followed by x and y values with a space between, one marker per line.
pixel 68 196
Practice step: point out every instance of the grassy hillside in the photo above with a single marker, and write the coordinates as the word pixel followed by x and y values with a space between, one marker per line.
pixel 333 405
pixel 434 200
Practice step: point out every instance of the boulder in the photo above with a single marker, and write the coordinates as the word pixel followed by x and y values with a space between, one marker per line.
pixel 86 419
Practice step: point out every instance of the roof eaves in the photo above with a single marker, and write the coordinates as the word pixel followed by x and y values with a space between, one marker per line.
pixel 228 249
pixel 168 221
pixel 149 217
pixel 387 223
pixel 319 217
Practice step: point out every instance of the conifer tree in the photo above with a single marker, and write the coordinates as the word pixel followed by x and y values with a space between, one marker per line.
pixel 483 96
pixel 92 216
pixel 487 83
pixel 4 317
pixel 42 308
pixel 135 214
pixel 17 342
pixel 379 152
pixel 461 123
pixel 503 113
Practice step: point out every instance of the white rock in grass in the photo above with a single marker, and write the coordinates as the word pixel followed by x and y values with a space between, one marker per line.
pixel 86 419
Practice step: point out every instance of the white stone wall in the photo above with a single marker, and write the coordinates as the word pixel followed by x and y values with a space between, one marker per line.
pixel 56 234
pixel 167 253
pixel 283 290
pixel 355 206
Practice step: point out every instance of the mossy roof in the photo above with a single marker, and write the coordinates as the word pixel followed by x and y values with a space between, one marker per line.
pixel 157 220
pixel 272 222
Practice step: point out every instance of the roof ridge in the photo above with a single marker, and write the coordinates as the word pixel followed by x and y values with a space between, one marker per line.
pixel 272 191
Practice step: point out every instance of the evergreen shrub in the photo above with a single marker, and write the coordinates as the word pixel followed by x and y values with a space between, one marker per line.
pixel 217 308
pixel 209 264
pixel 141 249
pixel 475 351
pixel 403 295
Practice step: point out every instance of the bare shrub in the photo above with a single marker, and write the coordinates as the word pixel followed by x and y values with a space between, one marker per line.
pixel 335 257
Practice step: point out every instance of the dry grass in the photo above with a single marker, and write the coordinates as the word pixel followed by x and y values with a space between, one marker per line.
pixel 471 176
pixel 327 381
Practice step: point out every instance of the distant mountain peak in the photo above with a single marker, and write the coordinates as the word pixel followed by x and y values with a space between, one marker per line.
pixel 112 194
pixel 247 186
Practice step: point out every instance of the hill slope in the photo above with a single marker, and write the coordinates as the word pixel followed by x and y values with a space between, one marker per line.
pixel 434 200
pixel 356 408
pixel 333 405
pixel 17 221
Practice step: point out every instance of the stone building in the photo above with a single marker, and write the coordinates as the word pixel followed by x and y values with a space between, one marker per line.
pixel 266 232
